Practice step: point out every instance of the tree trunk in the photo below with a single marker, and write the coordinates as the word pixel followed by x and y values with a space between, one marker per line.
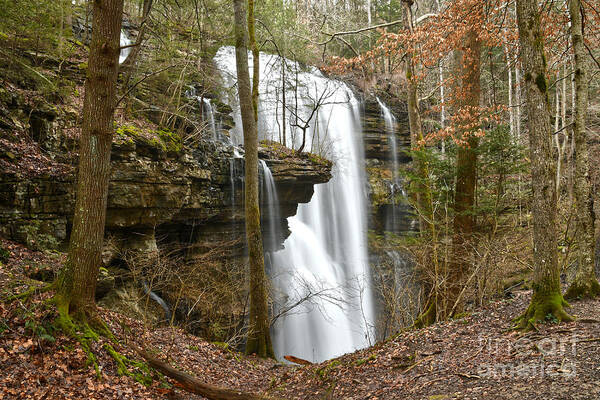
pixel 421 188
pixel 585 283
pixel 77 281
pixel 255 58
pixel 547 298
pixel 259 338
pixel 423 197
pixel 467 63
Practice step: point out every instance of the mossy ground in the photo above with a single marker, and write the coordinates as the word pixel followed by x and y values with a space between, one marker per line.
pixel 161 138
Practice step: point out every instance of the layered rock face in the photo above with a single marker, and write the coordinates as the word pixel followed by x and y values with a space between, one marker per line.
pixel 188 197
pixel 376 139
pixel 389 210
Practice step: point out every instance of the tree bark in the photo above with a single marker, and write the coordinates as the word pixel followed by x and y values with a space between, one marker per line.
pixel 467 64
pixel 585 283
pixel 259 338
pixel 547 298
pixel 255 58
pixel 77 281
pixel 423 196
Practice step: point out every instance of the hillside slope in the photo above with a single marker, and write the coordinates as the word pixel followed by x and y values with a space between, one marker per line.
pixel 475 357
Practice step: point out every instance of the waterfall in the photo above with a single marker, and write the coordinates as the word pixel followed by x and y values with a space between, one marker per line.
pixel 270 209
pixel 390 128
pixel 124 41
pixel 208 115
pixel 321 279
pixel 396 184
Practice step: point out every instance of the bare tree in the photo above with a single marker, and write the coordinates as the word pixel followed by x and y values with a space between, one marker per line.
pixel 585 283
pixel 547 298
pixel 259 338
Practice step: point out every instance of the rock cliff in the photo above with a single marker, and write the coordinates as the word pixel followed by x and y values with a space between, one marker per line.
pixel 159 189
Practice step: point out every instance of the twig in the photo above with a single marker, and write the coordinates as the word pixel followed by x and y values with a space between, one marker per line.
pixel 417 363
pixel 590 340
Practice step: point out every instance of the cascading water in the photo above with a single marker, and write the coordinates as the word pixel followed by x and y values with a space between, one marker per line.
pixel 321 277
pixel 124 41
pixel 270 201
pixel 396 185
pixel 208 115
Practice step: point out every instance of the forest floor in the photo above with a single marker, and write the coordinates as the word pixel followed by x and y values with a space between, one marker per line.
pixel 475 357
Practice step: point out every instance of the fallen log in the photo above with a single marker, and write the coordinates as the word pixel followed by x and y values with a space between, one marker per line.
pixel 194 385
pixel 297 360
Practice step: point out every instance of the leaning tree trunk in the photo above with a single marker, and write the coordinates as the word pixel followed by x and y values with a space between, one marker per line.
pixel 77 281
pixel 547 298
pixel 585 283
pixel 259 338
pixel 467 63
pixel 421 188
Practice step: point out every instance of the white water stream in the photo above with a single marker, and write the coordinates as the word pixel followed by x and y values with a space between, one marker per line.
pixel 321 278
pixel 124 41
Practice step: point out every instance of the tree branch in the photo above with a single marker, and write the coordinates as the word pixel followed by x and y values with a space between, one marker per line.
pixel 369 28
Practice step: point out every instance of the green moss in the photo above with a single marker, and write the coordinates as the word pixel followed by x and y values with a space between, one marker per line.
pixel 317 159
pixel 528 77
pixel 4 255
pixel 461 315
pixel 139 370
pixel 544 307
pixel 365 360
pixel 324 371
pixel 171 141
pixel 540 82
pixel 128 131
pixel 163 139
pixel 282 151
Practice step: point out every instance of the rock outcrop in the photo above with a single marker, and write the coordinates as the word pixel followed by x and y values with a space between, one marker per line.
pixel 192 197
pixel 389 210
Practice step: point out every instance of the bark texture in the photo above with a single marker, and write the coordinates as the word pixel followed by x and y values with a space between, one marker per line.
pixel 466 93
pixel 259 337
pixel 547 299
pixel 423 197
pixel 77 281
pixel 585 283
pixel 421 189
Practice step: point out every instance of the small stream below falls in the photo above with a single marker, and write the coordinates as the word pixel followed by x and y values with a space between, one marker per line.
pixel 322 291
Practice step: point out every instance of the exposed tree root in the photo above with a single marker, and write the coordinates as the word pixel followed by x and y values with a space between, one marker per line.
pixel 31 291
pixel 142 375
pixel 194 385
pixel 426 318
pixel 86 327
pixel 543 308
pixel 578 290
